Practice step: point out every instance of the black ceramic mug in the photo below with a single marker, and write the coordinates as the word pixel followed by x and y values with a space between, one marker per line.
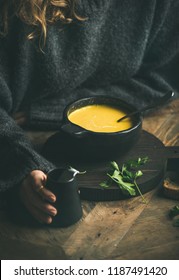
pixel 62 182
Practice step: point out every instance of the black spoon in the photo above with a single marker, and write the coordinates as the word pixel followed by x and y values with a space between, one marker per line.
pixel 161 101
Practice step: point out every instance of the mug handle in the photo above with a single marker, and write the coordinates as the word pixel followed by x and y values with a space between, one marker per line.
pixel 74 130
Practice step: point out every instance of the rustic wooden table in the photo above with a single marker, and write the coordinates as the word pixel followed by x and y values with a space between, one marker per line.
pixel 126 229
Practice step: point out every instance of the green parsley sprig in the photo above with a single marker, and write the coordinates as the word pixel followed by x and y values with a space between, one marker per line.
pixel 173 213
pixel 126 176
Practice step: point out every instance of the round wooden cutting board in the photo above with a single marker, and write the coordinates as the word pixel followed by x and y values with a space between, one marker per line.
pixel 148 145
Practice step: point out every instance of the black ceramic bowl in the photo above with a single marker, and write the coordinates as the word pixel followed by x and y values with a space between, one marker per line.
pixel 85 143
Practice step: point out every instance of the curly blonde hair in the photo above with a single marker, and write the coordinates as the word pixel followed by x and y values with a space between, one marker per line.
pixel 38 13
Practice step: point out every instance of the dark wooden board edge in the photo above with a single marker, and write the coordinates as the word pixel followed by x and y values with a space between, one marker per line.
pixel 148 145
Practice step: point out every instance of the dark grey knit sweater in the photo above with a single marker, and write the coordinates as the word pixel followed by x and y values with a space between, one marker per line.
pixel 126 48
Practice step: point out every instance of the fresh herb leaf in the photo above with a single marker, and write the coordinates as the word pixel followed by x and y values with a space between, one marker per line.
pixel 126 176
pixel 136 163
pixel 124 186
pixel 114 165
pixel 176 223
pixel 138 174
pixel 174 211
pixel 104 184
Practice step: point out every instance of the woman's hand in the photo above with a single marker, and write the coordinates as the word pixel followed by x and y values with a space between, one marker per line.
pixel 37 198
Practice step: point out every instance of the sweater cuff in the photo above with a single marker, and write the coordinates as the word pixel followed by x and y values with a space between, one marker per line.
pixel 21 168
pixel 47 115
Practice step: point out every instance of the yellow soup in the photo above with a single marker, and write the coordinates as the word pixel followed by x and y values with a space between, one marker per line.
pixel 100 118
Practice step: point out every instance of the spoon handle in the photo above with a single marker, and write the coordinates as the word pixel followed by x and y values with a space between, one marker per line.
pixel 161 101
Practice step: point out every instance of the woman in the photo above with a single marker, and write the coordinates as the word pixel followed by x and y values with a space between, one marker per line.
pixel 54 51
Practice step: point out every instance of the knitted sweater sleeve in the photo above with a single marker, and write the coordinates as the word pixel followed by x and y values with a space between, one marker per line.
pixel 17 156
pixel 160 66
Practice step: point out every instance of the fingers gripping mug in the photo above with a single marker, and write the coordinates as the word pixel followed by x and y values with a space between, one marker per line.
pixel 62 182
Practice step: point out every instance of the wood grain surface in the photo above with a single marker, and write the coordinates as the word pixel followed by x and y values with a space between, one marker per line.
pixel 125 229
